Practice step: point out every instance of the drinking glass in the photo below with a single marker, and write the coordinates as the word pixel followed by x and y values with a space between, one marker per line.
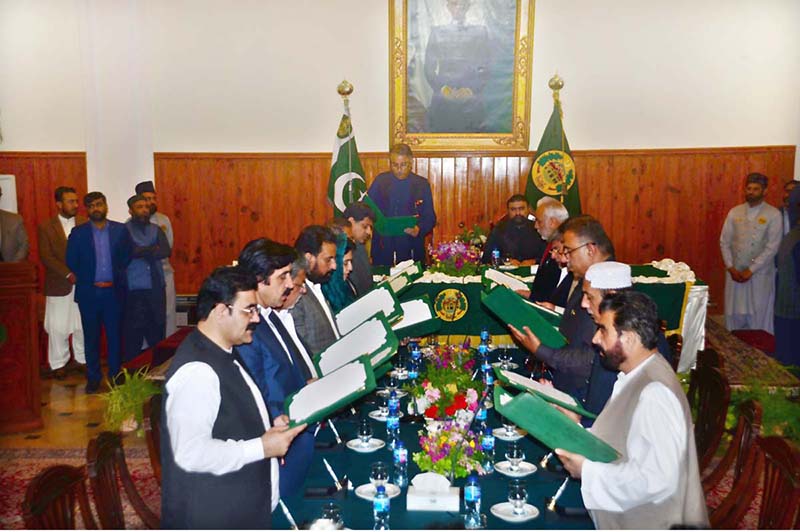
pixel 391 383
pixel 383 406
pixel 509 428
pixel 378 474
pixel 365 432
pixel 505 357
pixel 332 514
pixel 517 496
pixel 514 455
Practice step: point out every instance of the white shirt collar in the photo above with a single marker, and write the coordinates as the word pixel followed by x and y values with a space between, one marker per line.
pixel 624 378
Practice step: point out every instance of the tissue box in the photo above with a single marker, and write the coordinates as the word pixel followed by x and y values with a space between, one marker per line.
pixel 446 501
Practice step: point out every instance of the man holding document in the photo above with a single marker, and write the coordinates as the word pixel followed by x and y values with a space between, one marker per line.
pixel 656 482
pixel 219 445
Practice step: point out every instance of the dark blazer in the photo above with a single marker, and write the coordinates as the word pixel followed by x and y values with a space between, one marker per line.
pixel 311 324
pixel 270 367
pixel 53 253
pixel 546 279
pixel 81 257
pixel 14 245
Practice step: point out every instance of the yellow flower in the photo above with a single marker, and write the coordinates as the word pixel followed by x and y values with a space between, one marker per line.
pixel 472 443
pixel 452 388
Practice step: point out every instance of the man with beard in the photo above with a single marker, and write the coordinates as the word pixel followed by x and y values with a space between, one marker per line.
pixel 98 254
pixel 144 317
pixel 360 221
pixel 312 315
pixel 656 482
pixel 219 444
pixel 749 241
pixel 277 366
pixel 788 187
pixel 585 243
pixel 148 192
pixel 298 272
pixel 62 318
pixel 515 237
pixel 550 214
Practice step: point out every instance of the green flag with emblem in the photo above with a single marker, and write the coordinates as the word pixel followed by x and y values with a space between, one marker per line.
pixel 347 183
pixel 553 172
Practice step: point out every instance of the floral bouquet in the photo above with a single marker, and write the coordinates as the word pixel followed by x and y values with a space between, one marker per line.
pixel 446 387
pixel 449 449
pixel 475 236
pixel 456 259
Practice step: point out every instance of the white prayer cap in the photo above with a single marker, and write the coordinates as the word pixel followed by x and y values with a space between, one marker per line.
pixel 609 275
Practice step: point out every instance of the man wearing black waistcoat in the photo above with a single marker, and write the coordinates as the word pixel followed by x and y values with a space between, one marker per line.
pixel 219 444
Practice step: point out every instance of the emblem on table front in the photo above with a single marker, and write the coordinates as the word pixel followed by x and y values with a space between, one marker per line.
pixel 451 304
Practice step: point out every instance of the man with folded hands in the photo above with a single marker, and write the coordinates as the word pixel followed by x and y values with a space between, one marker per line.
pixel 656 482
pixel 278 366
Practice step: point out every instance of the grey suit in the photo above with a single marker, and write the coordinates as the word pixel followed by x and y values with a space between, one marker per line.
pixel 13 238
pixel 311 323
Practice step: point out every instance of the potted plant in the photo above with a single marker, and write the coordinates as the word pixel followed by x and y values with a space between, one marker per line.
pixel 125 401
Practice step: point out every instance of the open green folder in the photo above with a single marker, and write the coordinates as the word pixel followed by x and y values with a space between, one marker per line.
pixel 379 299
pixel 551 427
pixel 389 225
pixel 373 338
pixel 419 319
pixel 510 307
pixel 318 400
pixel 548 393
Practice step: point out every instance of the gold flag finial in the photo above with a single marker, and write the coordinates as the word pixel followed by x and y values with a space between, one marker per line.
pixel 556 84
pixel 345 89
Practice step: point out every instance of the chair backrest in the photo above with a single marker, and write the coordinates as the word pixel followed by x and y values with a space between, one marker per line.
pixel 152 433
pixel 106 467
pixel 706 357
pixel 744 456
pixel 675 342
pixel 780 501
pixel 713 397
pixel 51 496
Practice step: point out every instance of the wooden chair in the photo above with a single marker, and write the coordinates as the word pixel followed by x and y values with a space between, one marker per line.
pixel 744 456
pixel 106 467
pixel 152 433
pixel 51 496
pixel 780 501
pixel 713 397
pixel 706 357
pixel 675 342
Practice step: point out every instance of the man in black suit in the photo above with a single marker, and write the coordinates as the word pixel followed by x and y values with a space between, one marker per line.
pixel 550 214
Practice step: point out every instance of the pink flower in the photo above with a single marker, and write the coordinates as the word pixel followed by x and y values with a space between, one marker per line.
pixel 433 394
pixel 472 396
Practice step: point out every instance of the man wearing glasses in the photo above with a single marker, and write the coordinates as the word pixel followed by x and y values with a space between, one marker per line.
pixel 573 366
pixel 219 447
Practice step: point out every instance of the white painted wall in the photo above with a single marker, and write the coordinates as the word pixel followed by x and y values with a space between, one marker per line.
pixel 120 76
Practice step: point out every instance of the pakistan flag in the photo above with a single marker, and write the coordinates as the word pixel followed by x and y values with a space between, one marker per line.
pixel 553 172
pixel 347 184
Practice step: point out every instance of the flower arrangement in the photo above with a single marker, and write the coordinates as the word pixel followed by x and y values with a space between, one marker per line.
pixel 449 449
pixel 475 236
pixel 456 259
pixel 445 387
pixel 125 402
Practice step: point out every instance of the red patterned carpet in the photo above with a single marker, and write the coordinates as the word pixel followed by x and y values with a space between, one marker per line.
pixel 19 466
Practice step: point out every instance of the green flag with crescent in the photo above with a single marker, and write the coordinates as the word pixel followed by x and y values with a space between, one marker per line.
pixel 347 183
pixel 553 172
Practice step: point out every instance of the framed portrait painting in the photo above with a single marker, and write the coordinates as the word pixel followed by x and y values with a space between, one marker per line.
pixel 460 74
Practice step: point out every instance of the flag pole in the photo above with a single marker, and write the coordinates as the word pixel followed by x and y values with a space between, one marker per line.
pixel 345 89
pixel 556 84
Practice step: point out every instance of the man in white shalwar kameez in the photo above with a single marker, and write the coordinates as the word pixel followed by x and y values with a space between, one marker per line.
pixel 749 241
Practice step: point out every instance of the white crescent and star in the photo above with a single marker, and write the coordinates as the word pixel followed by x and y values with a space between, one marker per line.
pixel 338 189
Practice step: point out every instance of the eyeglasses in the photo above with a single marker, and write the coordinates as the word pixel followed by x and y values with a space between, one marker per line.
pixel 252 311
pixel 567 251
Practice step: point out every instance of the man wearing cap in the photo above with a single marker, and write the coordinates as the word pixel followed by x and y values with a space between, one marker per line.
pixel 148 192
pixel 144 316
pixel 749 241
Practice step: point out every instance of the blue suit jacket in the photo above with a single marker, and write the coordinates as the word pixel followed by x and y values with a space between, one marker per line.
pixel 82 262
pixel 269 364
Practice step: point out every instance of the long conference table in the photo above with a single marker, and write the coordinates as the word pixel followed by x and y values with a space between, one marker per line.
pixel 357 512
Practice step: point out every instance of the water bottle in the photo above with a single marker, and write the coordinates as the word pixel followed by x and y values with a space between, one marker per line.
pixel 483 352
pixel 400 454
pixel 487 443
pixel 488 381
pixel 416 353
pixel 394 401
pixel 485 336
pixel 472 503
pixel 480 420
pixel 413 371
pixel 380 509
pixel 393 427
pixel 496 257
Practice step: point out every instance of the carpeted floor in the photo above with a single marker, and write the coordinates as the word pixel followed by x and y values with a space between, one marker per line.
pixel 19 466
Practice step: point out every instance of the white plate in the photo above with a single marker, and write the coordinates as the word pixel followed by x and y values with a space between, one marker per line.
pixel 508 267
pixel 525 469
pixel 383 392
pixel 376 415
pixel 501 434
pixel 374 445
pixel 401 376
pixel 509 366
pixel 367 491
pixel 505 511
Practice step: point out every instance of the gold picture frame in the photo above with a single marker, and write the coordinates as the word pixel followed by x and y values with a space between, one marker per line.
pixel 437 45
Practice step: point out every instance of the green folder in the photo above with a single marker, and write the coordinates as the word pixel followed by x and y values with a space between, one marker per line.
pixel 330 393
pixel 352 346
pixel 552 317
pixel 420 328
pixel 379 299
pixel 551 427
pixel 401 281
pixel 394 225
pixel 510 307
pixel 529 385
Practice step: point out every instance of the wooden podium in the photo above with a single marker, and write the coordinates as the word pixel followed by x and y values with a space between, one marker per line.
pixel 20 395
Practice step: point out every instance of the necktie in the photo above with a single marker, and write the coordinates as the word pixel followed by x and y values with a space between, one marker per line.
pixel 297 358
